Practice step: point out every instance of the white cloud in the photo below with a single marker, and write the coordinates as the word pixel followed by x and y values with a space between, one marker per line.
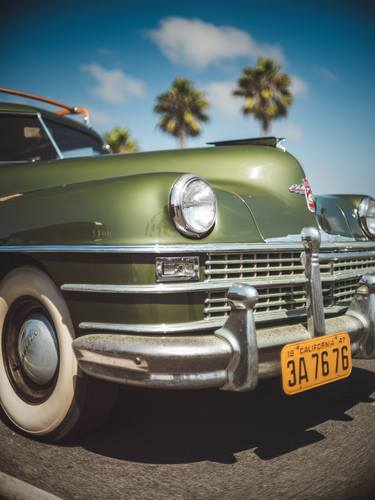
pixel 99 118
pixel 326 73
pixel 114 85
pixel 298 86
pixel 219 95
pixel 196 43
pixel 288 130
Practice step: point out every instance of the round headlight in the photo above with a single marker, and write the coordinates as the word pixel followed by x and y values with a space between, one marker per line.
pixel 366 213
pixel 192 206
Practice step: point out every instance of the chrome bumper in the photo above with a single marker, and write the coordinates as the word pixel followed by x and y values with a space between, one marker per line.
pixel 237 355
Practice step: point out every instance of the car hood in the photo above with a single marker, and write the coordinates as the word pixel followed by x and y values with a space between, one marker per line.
pixel 259 175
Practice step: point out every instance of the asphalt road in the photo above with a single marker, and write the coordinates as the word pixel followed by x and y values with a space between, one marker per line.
pixel 215 445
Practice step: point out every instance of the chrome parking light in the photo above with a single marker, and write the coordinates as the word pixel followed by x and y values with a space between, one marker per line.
pixel 176 269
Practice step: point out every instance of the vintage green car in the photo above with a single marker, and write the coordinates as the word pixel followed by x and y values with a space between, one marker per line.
pixel 211 267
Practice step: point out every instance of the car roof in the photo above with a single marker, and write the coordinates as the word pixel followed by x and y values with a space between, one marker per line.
pixel 11 107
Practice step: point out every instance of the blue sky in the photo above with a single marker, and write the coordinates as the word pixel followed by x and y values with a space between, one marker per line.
pixel 115 57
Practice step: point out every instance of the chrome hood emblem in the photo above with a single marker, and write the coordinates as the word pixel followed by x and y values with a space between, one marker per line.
pixel 305 190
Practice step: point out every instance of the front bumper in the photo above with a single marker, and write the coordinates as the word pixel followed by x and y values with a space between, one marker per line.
pixel 190 362
pixel 237 355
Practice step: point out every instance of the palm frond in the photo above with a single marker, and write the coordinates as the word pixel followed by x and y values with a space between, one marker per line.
pixel 266 91
pixel 182 107
pixel 120 141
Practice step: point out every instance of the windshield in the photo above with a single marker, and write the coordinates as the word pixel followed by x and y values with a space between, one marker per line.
pixel 23 139
pixel 73 142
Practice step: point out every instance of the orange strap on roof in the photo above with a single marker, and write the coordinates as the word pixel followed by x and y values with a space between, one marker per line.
pixel 67 110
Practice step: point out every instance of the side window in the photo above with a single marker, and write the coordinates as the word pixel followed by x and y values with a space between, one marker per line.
pixel 22 138
pixel 72 142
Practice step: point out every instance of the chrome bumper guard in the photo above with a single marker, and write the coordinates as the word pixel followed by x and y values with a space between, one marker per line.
pixel 237 355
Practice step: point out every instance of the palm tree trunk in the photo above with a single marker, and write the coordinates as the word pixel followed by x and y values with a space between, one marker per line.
pixel 265 126
pixel 181 140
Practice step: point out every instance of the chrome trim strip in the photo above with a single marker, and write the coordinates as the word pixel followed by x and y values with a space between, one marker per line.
pixel 195 326
pixel 199 286
pixel 202 286
pixel 50 136
pixel 188 248
pixel 160 328
pixel 325 237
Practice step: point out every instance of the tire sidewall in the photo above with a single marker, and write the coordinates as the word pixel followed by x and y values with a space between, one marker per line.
pixel 45 418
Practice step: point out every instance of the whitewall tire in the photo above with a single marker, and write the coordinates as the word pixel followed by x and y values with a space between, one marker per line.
pixel 42 390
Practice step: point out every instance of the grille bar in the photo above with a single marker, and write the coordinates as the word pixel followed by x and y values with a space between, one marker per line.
pixel 256 269
pixel 347 293
pixel 250 261
pixel 352 264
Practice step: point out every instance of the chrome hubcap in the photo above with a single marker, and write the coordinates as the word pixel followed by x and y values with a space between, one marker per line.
pixel 30 350
pixel 37 349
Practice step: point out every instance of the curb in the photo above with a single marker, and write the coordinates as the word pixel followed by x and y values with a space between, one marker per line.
pixel 12 488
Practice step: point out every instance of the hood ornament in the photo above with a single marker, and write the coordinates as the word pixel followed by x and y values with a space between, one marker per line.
pixel 305 190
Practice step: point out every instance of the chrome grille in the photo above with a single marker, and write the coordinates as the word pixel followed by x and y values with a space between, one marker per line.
pixel 358 264
pixel 286 301
pixel 344 290
pixel 256 265
pixel 284 271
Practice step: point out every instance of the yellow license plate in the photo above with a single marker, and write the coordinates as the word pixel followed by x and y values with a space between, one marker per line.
pixel 311 363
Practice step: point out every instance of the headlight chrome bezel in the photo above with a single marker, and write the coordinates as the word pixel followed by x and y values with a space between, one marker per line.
pixel 176 212
pixel 363 215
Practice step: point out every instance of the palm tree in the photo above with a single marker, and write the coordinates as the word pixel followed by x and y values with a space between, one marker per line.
pixel 182 108
pixel 120 141
pixel 266 91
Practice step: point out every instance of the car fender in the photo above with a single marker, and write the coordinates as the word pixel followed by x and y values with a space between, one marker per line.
pixel 116 211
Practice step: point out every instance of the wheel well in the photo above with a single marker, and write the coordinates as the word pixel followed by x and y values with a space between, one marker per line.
pixel 10 261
